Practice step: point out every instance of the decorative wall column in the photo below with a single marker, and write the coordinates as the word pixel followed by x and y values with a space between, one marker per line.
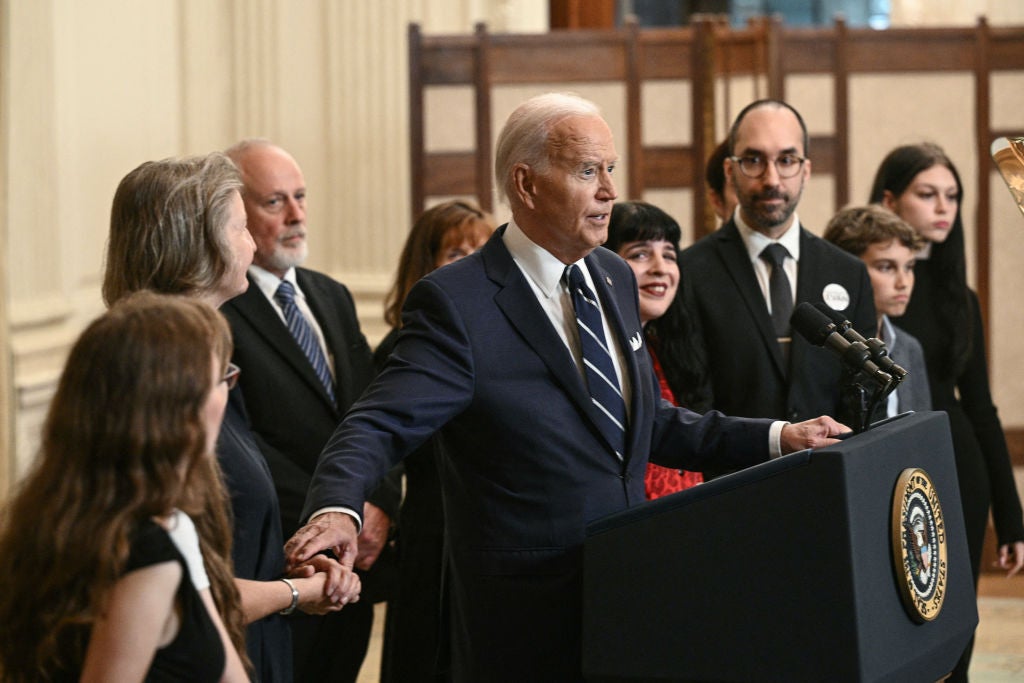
pixel 92 89
pixel 34 297
pixel 6 378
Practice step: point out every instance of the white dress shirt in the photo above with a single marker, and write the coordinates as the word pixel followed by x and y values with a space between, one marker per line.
pixel 544 273
pixel 756 243
pixel 268 284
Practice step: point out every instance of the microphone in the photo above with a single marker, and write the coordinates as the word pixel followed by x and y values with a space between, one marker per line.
pixel 819 330
pixel 879 353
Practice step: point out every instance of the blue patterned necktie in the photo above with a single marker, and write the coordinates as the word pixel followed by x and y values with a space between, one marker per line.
pixel 597 361
pixel 304 334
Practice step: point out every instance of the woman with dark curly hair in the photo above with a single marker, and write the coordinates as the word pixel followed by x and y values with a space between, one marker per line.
pixel 648 238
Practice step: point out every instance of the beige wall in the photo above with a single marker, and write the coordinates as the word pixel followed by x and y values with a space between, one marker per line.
pixel 955 12
pixel 91 88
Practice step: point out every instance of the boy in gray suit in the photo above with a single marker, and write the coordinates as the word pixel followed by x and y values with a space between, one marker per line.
pixel 888 247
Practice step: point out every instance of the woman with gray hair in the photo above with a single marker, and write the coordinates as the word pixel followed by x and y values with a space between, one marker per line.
pixel 178 226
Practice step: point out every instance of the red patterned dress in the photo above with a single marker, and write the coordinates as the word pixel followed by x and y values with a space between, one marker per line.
pixel 660 481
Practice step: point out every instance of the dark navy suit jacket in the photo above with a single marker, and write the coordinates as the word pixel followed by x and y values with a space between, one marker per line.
pixel 525 467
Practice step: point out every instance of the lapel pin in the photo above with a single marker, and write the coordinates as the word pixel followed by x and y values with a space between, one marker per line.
pixel 608 280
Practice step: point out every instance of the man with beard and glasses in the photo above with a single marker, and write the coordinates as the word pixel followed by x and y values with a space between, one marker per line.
pixel 746 278
pixel 305 361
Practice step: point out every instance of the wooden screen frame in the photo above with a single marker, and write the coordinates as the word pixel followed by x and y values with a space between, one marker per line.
pixel 706 50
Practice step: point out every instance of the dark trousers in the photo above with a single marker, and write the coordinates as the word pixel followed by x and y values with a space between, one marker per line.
pixel 331 648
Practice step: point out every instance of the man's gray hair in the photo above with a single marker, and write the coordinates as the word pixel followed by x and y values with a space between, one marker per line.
pixel 524 137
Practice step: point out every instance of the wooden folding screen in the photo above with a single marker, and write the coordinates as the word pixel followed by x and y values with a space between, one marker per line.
pixel 706 52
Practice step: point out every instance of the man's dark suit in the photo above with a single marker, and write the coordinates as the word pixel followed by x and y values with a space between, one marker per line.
pixel 293 417
pixel 525 467
pixel 746 367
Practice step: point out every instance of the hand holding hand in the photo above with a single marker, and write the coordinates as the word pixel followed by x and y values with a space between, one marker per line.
pixel 326 586
pixel 334 530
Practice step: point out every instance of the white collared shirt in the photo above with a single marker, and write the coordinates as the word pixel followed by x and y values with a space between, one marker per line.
pixel 756 242
pixel 268 284
pixel 544 273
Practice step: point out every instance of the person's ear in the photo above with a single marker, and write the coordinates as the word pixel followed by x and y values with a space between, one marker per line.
pixel 717 202
pixel 889 200
pixel 523 185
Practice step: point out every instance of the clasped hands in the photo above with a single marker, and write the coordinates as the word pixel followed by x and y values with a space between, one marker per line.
pixel 337 530
pixel 334 585
pixel 331 530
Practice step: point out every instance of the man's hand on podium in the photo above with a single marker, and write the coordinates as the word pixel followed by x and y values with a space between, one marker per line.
pixel 810 434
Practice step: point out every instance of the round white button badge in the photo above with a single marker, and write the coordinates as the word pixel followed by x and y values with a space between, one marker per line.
pixel 836 296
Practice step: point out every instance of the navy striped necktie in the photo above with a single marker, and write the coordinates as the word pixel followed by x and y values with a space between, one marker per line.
pixel 304 334
pixel 602 382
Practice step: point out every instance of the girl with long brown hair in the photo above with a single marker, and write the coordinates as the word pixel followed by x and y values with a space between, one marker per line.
pixel 103 577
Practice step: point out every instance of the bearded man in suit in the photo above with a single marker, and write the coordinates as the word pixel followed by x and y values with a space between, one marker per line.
pixel 295 400
pixel 741 303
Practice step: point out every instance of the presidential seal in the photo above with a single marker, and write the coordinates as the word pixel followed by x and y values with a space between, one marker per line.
pixel 919 545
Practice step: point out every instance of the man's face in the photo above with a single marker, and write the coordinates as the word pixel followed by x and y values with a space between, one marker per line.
pixel 570 202
pixel 767 203
pixel 275 203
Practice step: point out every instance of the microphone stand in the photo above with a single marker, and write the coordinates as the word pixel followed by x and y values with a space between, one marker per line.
pixel 854 391
pixel 863 361
pixel 854 397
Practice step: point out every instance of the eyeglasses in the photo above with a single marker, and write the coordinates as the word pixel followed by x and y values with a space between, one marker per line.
pixel 754 165
pixel 231 376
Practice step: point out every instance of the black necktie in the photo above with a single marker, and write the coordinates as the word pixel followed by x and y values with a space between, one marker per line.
pixel 779 290
pixel 602 382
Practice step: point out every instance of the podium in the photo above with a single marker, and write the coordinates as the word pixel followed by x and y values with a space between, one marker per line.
pixel 783 572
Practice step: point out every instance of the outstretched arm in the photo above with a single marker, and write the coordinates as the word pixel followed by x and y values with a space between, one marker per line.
pixel 263 598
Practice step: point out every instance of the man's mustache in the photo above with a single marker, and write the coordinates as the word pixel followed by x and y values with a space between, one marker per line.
pixel 773 194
